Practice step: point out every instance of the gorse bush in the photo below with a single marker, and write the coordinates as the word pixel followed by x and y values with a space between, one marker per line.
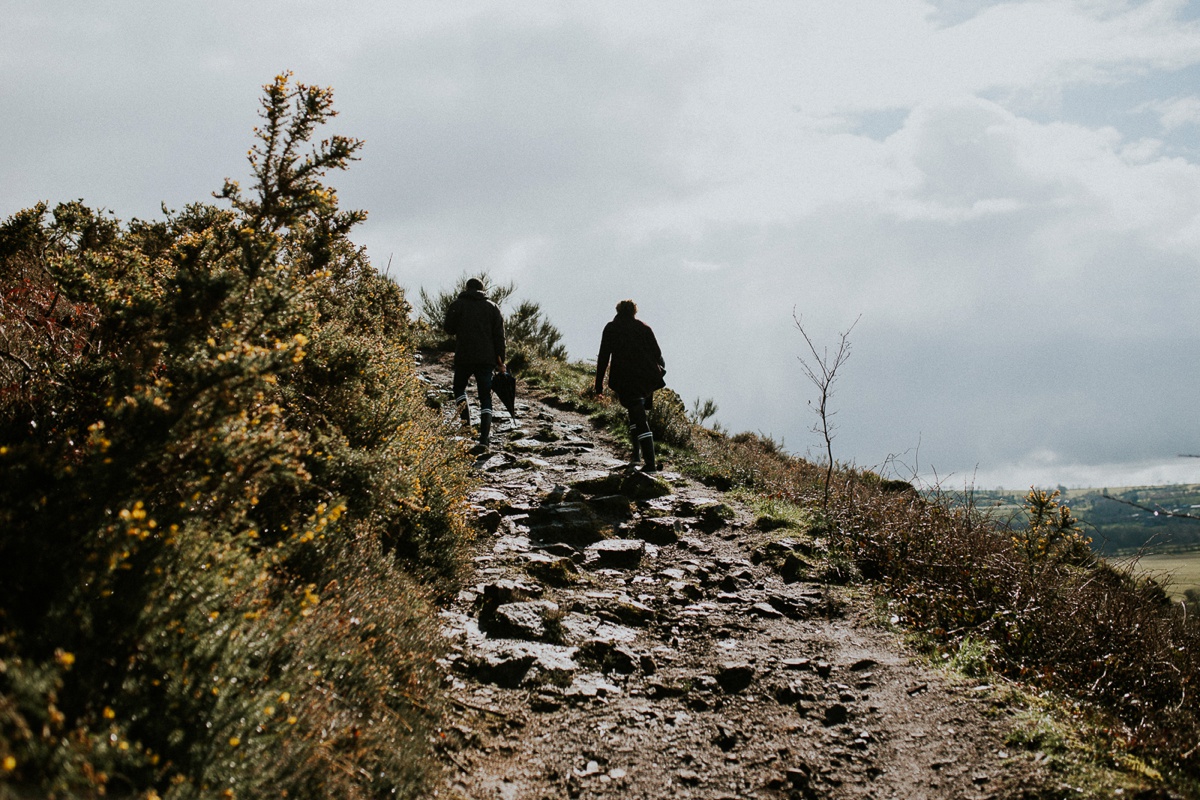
pixel 226 511
pixel 669 420
pixel 1051 534
pixel 532 335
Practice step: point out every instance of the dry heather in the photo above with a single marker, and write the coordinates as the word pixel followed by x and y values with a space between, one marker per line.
pixel 1045 611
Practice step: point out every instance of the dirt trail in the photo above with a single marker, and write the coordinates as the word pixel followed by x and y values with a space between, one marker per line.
pixel 618 643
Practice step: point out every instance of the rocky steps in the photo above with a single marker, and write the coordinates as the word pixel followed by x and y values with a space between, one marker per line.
pixel 620 638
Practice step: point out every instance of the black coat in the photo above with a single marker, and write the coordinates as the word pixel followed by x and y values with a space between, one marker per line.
pixel 478 329
pixel 637 362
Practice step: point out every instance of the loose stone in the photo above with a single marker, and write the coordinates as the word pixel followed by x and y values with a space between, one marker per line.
pixel 615 553
pixel 734 677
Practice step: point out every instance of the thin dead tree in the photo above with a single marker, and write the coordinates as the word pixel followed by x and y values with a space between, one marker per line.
pixel 821 368
pixel 1157 510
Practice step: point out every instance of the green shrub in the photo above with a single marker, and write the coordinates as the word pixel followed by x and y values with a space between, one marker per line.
pixel 1051 533
pixel 669 420
pixel 226 510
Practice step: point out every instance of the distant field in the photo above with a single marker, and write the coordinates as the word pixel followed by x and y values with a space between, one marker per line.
pixel 1184 569
pixel 1117 519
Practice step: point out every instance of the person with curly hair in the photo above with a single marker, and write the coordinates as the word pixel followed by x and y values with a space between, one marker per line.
pixel 636 372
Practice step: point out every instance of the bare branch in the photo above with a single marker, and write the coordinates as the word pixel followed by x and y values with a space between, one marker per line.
pixel 822 371
pixel 18 359
pixel 1159 511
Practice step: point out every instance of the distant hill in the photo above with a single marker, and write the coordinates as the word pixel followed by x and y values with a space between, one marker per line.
pixel 1115 526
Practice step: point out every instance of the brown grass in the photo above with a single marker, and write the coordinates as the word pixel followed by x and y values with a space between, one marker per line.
pixel 1053 616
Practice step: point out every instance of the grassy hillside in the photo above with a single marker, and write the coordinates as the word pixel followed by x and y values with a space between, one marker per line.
pixel 1180 571
pixel 1022 597
pixel 227 514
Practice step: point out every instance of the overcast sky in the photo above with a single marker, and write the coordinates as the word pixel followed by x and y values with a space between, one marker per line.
pixel 1008 193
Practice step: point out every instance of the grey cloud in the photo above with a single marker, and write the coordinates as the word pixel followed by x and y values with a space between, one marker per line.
pixel 1009 309
pixel 500 124
pixel 982 368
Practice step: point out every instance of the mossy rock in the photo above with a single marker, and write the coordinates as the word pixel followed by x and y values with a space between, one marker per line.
pixel 631 483
pixel 552 570
pixel 644 486
pixel 546 433
pixel 613 505
pixel 769 523
pixel 572 523
pixel 714 515
pixel 718 480
pixel 609 484
pixel 660 530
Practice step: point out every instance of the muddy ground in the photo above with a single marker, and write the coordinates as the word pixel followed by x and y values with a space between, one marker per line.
pixel 625 636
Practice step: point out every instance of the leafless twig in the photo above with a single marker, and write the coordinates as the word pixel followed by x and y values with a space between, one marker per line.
pixel 1160 511
pixel 822 371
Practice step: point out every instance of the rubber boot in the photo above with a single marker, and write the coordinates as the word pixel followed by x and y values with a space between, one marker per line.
pixel 464 410
pixel 485 427
pixel 634 445
pixel 646 440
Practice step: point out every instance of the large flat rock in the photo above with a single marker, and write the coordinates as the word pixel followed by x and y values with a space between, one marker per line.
pixel 615 553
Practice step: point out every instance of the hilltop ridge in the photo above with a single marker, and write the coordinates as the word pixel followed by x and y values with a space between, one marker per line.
pixel 622 635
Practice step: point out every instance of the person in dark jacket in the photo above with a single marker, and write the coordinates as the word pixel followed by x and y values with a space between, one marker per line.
pixel 479 348
pixel 637 371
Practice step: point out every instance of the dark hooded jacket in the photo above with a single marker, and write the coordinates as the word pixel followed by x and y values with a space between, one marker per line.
pixel 478 329
pixel 637 362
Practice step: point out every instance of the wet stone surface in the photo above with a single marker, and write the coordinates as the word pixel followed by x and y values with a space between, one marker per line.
pixel 622 639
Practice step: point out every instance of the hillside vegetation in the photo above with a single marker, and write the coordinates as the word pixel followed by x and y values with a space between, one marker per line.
pixel 229 515
pixel 226 511
pixel 1116 526
pixel 1022 598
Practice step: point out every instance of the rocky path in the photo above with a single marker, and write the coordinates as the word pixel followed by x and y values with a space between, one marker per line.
pixel 623 639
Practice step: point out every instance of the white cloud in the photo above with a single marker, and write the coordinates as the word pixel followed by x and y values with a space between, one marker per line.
pixel 1043 472
pixel 1025 278
pixel 1178 112
pixel 701 266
